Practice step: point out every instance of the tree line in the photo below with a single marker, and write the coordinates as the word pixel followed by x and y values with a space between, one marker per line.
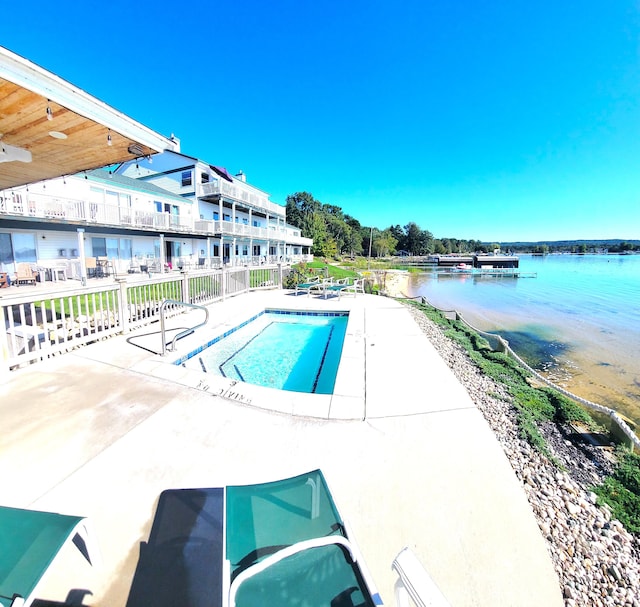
pixel 336 233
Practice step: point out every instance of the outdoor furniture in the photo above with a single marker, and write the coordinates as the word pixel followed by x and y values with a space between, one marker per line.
pixel 356 287
pixel 311 284
pixel 279 543
pixel 334 288
pixel 25 274
pixel 102 267
pixel 415 583
pixel 91 264
pixel 31 540
pixel 343 286
pixel 53 273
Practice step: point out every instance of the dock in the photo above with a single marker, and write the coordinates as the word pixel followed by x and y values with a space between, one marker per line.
pixel 486 272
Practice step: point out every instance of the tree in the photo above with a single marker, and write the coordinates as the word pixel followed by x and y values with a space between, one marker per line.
pixel 384 243
pixel 315 227
pixel 426 242
pixel 412 238
pixel 300 207
pixel 438 247
pixel 398 233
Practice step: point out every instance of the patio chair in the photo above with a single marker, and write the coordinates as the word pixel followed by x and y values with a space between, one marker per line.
pixel 277 543
pixel 357 286
pixel 31 541
pixel 334 288
pixel 414 585
pixel 25 274
pixel 344 286
pixel 309 283
pixel 91 263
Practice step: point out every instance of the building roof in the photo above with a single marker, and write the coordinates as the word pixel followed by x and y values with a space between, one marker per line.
pixel 51 128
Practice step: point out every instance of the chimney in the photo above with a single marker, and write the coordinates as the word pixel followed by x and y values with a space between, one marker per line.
pixel 242 177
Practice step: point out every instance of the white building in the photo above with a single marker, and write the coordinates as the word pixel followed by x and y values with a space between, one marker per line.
pixel 236 222
pixel 141 213
pixel 138 219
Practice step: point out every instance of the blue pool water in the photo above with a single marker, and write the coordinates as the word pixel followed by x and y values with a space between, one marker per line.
pixel 293 351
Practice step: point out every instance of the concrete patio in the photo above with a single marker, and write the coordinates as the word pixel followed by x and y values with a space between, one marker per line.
pixel 101 431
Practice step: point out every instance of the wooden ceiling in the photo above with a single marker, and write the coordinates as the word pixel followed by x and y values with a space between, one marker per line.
pixel 24 123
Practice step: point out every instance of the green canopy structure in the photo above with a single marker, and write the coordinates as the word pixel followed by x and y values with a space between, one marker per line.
pixel 30 540
pixel 279 543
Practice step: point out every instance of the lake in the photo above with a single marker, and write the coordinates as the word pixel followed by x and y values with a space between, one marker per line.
pixel 577 321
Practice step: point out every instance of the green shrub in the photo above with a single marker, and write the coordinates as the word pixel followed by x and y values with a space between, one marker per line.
pixel 621 491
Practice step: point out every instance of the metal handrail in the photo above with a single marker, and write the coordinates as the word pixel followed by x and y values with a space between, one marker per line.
pixel 183 333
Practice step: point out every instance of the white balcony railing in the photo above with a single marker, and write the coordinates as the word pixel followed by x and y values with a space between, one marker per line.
pixel 82 212
pixel 42 206
pixel 244 194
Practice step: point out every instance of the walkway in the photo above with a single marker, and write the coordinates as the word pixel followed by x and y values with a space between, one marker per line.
pixel 102 431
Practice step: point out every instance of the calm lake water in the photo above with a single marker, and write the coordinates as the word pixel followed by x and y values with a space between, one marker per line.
pixel 577 321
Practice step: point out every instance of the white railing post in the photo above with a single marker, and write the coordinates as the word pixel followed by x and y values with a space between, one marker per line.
pixel 223 282
pixel 123 305
pixel 4 348
pixel 185 286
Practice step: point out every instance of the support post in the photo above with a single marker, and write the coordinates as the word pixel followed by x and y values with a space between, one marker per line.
pixel 83 259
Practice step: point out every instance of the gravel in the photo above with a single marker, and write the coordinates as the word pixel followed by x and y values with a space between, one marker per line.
pixel 597 560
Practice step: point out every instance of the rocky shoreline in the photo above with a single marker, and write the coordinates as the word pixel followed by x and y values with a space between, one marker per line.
pixel 596 559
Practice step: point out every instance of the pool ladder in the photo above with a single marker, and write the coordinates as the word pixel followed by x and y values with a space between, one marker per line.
pixel 183 333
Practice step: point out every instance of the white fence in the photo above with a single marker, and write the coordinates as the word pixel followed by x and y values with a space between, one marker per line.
pixel 38 326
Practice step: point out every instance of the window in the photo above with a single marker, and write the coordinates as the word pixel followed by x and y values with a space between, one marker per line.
pixel 99 247
pixel 256 223
pixel 112 248
pixel 158 206
pixel 24 246
pixel 226 217
pixel 6 250
pixel 245 249
pixel 216 250
pixel 216 215
pixel 245 221
pixel 256 250
pixel 204 178
pixel 125 248
pixel 186 178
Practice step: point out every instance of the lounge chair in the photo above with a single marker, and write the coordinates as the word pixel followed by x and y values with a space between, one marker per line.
pixel 343 286
pixel 308 285
pixel 30 542
pixel 357 286
pixel 286 545
pixel 415 583
pixel 334 288
pixel 25 274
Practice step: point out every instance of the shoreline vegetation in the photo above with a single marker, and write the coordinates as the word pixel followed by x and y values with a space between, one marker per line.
pixel 582 494
pixel 585 496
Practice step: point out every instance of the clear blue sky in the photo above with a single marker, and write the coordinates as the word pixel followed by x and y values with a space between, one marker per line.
pixel 487 120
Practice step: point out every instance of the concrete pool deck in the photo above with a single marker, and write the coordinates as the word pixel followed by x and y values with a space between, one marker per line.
pixel 101 431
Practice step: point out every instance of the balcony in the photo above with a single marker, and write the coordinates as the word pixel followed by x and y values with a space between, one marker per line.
pixel 242 193
pixel 229 228
pixel 55 209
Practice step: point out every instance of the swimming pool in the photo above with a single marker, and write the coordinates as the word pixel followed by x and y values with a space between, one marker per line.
pixel 282 349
